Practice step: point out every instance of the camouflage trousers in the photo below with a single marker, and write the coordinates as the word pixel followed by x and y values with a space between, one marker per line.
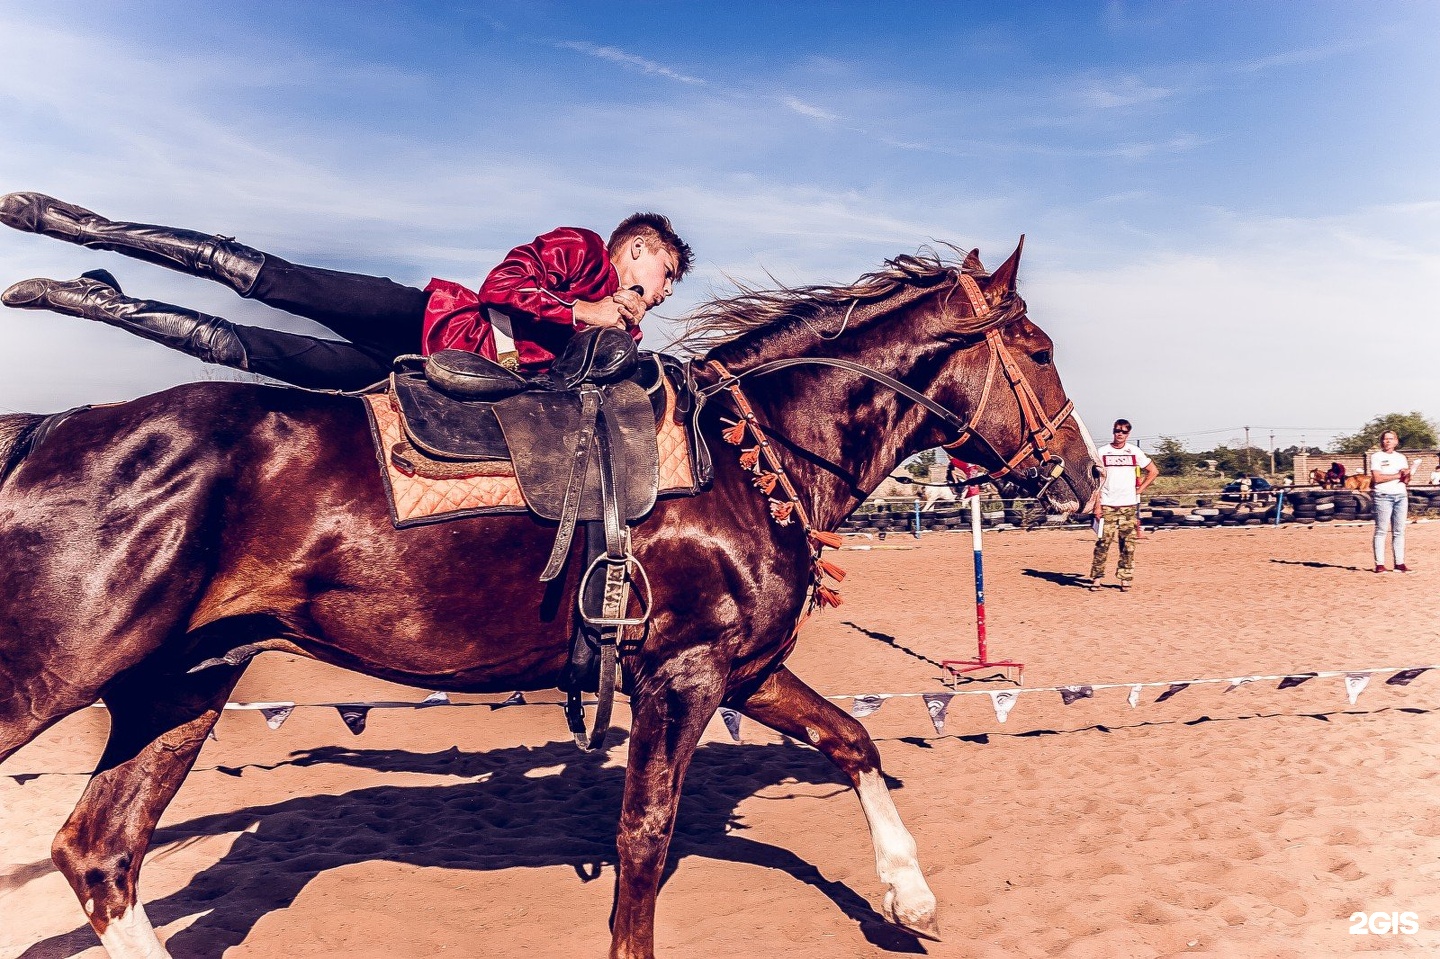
pixel 1119 521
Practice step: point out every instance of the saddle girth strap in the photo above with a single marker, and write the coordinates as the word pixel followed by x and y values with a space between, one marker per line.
pixel 575 485
pixel 604 703
pixel 611 620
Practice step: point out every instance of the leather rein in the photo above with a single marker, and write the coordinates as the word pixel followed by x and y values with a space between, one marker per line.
pixel 1040 429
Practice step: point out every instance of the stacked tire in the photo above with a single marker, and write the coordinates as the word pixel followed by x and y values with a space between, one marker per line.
pixel 1347 505
pixel 1304 506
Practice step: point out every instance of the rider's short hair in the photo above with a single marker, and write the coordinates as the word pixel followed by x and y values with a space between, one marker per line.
pixel 1124 423
pixel 653 228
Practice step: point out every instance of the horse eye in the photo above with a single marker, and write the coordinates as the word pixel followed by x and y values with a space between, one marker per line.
pixel 1042 357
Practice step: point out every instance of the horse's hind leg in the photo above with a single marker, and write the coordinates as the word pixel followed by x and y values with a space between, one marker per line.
pixel 787 705
pixel 158 722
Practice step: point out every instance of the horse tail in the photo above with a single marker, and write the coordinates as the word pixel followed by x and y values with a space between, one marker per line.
pixel 17 437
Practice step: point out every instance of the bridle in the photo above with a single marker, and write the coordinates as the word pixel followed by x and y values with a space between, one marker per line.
pixel 771 478
pixel 1039 428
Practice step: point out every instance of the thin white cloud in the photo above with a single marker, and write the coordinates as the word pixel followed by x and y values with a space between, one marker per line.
pixel 616 55
pixel 1180 143
pixel 809 109
pixel 1131 150
pixel 1290 58
pixel 1120 92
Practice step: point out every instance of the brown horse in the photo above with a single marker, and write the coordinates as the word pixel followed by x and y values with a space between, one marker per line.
pixel 144 538
pixel 1333 478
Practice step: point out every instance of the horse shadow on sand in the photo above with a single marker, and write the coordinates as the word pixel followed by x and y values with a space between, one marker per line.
pixel 513 808
pixel 1059 579
pixel 1312 564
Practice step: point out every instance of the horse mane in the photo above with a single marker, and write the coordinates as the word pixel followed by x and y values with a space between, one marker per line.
pixel 17 430
pixel 725 320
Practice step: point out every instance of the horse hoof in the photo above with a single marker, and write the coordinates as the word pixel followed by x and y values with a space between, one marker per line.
pixel 929 928
pixel 918 920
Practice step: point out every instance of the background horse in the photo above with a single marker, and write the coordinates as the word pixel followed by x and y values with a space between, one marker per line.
pixel 937 494
pixel 144 538
pixel 1333 478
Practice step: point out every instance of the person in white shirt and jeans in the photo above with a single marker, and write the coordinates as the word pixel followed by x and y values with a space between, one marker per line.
pixel 1128 472
pixel 1389 472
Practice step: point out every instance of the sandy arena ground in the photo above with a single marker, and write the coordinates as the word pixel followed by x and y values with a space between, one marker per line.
pixel 1251 823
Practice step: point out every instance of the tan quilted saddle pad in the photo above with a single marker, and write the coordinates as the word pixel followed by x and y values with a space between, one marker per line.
pixel 431 491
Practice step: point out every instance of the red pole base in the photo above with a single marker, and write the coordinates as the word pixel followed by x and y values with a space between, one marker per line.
pixel 959 667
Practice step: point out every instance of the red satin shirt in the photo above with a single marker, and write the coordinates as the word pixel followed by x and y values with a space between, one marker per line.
pixel 536 285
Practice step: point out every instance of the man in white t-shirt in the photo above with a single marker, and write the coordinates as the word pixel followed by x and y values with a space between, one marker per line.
pixel 1389 472
pixel 1127 472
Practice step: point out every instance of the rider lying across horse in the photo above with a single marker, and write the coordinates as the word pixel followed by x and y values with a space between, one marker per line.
pixel 561 282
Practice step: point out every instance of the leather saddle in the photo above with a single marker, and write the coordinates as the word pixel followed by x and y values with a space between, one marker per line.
pixel 582 441
pixel 581 437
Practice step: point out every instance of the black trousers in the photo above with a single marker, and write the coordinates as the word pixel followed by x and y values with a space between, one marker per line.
pixel 378 318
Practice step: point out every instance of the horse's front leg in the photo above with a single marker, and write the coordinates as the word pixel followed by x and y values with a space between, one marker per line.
pixel 787 705
pixel 158 722
pixel 670 710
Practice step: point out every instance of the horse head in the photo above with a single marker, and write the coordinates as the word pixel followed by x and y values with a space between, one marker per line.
pixel 922 353
pixel 1020 425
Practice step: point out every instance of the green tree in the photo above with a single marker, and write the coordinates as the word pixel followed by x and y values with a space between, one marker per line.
pixel 1233 461
pixel 1227 461
pixel 1170 456
pixel 1414 430
pixel 919 465
pixel 1285 459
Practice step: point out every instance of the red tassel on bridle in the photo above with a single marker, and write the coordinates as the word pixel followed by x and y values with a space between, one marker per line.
pixel 783 511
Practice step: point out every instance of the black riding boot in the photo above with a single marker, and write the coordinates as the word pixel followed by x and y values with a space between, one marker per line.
pixel 217 258
pixel 205 337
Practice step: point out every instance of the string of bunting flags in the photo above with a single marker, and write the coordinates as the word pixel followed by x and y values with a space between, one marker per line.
pixel 937 704
pixel 355 714
pixel 1003 700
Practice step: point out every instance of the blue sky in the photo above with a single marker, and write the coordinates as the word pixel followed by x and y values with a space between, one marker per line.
pixel 1232 210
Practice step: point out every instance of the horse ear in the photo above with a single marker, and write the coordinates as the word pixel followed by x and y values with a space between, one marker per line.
pixel 1002 281
pixel 972 262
